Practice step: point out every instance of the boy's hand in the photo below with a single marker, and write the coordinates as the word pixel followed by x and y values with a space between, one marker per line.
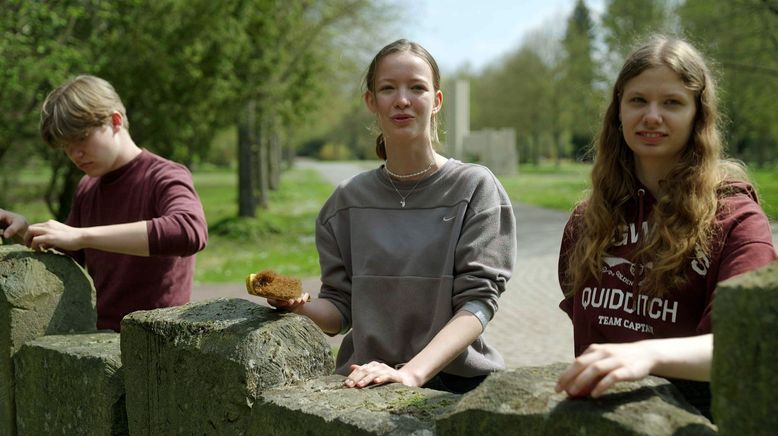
pixel 53 234
pixel 12 224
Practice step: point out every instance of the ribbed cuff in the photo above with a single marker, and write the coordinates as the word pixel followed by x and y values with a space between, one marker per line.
pixel 481 310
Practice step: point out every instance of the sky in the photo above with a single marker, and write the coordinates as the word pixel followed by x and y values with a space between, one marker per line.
pixel 457 32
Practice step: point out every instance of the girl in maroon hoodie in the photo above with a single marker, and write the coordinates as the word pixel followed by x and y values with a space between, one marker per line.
pixel 667 219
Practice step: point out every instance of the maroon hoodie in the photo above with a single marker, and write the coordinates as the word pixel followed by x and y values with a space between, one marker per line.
pixel 611 311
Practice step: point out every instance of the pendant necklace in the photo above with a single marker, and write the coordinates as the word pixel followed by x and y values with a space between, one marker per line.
pixel 403 197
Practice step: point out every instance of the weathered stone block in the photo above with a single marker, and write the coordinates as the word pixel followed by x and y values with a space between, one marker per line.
pixel 199 368
pixel 323 407
pixel 40 294
pixel 70 384
pixel 744 379
pixel 523 401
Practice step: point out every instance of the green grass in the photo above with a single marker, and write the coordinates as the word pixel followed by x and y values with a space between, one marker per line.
pixel 560 188
pixel 280 237
pixel 27 194
pixel 766 181
pixel 548 186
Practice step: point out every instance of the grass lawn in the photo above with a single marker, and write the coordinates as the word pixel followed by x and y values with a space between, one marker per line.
pixel 560 188
pixel 548 186
pixel 766 181
pixel 280 237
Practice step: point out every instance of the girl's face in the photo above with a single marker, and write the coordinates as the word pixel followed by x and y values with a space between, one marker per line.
pixel 657 116
pixel 405 98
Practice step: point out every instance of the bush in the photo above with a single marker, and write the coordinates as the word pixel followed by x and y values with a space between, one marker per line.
pixel 335 151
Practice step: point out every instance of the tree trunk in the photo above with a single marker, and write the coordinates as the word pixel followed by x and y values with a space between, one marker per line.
pixel 62 187
pixel 246 127
pixel 275 158
pixel 261 155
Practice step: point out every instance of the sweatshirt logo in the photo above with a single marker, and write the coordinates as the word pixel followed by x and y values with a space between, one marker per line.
pixel 616 299
pixel 629 234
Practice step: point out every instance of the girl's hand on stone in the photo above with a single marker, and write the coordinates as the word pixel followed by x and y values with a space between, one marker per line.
pixel 603 365
pixel 377 373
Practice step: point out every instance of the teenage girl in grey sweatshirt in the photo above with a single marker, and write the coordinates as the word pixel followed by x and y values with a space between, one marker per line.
pixel 415 253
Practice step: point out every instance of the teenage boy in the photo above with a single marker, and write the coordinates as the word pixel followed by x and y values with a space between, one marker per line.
pixel 136 220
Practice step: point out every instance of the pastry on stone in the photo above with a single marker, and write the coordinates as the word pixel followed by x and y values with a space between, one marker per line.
pixel 270 284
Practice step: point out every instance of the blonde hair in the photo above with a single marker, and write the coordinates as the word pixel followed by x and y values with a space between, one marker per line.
pixel 71 111
pixel 402 46
pixel 683 217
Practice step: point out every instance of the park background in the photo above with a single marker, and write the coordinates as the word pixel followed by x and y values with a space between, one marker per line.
pixel 237 90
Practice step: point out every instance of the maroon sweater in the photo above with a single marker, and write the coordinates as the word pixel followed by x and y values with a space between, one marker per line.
pixel 610 311
pixel 148 188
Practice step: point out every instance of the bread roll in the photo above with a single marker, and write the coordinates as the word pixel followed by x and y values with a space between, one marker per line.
pixel 269 284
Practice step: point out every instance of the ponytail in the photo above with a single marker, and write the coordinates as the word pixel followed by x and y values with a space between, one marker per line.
pixel 380 146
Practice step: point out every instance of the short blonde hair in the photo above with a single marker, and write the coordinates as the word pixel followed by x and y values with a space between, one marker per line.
pixel 74 109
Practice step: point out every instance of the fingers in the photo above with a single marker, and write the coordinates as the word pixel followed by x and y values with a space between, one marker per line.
pixel 290 304
pixel 601 366
pixel 592 376
pixel 14 228
pixel 277 303
pixel 35 235
pixel 617 375
pixel 12 223
pixel 371 373
pixel 568 378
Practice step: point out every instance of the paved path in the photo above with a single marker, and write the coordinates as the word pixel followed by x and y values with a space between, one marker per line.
pixel 529 329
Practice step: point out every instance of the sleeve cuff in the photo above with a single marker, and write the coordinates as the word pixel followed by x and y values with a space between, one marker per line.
pixel 481 310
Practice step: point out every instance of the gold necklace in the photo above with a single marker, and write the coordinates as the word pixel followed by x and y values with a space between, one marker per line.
pixel 407 176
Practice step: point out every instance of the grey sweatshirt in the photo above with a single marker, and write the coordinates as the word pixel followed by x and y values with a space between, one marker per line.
pixel 399 274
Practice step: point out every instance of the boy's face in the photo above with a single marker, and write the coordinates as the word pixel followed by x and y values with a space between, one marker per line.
pixel 98 153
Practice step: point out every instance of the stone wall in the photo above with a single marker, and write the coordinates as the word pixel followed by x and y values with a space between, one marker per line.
pixel 493 148
pixel 229 366
pixel 203 365
pixel 744 381
pixel 82 374
pixel 40 294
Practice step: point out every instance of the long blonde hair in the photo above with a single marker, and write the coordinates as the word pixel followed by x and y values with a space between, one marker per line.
pixel 683 218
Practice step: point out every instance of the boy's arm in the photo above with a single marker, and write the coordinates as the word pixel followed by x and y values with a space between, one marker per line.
pixel 129 238
pixel 180 228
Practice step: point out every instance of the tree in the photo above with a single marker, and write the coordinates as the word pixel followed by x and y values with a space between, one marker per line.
pixel 289 48
pixel 742 35
pixel 625 22
pixel 516 93
pixel 170 60
pixel 579 107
